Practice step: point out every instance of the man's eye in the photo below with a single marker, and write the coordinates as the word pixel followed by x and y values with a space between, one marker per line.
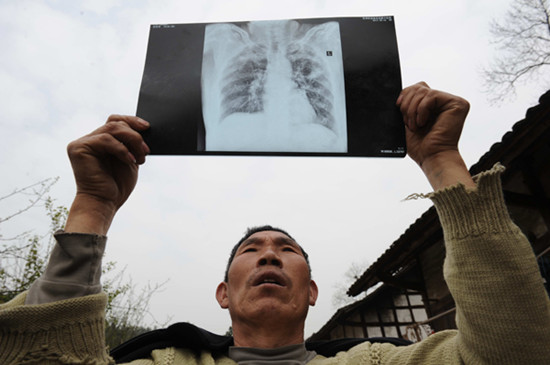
pixel 250 249
pixel 290 249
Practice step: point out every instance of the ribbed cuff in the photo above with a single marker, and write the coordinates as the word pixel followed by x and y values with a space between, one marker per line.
pixel 466 212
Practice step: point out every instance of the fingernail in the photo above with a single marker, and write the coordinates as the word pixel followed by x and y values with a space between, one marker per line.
pixel 143 122
pixel 132 157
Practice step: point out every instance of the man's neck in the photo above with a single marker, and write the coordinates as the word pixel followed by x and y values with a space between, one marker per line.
pixel 267 337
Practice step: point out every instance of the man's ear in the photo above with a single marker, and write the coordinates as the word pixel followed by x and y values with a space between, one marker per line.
pixel 313 292
pixel 221 295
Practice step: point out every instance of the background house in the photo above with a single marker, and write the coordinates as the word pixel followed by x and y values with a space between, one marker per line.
pixel 408 295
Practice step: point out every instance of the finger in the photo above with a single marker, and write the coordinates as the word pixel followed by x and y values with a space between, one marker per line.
pixel 408 102
pixel 437 102
pixel 403 102
pixel 426 108
pixel 112 146
pixel 135 122
pixel 102 144
pixel 412 108
pixel 130 138
pixel 409 89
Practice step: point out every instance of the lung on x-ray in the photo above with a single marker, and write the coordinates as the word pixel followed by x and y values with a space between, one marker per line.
pixel 277 87
pixel 274 86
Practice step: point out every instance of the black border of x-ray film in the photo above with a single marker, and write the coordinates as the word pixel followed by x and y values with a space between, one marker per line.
pixel 170 94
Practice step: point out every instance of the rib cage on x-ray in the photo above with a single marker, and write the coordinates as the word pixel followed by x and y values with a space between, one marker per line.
pixel 309 75
pixel 274 86
pixel 243 84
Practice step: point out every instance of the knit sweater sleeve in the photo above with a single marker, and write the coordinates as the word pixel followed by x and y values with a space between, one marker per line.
pixel 502 309
pixel 69 331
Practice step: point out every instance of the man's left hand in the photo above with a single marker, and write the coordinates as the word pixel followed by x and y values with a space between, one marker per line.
pixel 433 122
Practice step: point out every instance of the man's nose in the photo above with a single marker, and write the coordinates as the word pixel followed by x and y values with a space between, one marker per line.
pixel 270 257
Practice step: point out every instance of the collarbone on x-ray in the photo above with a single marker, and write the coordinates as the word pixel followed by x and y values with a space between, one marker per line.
pixel 274 86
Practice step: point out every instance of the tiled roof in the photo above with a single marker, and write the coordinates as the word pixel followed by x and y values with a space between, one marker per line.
pixel 513 143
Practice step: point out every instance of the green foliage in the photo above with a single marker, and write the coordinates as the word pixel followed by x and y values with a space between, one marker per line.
pixel 23 258
pixel 126 306
pixel 14 282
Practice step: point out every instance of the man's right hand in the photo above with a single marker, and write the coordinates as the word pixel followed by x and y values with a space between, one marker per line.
pixel 105 165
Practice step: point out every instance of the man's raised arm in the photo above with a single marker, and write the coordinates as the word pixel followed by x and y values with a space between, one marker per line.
pixel 105 165
pixel 60 319
pixel 502 309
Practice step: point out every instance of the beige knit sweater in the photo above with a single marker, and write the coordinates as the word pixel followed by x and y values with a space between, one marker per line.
pixel 503 312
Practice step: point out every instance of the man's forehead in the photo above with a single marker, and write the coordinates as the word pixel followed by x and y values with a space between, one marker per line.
pixel 263 236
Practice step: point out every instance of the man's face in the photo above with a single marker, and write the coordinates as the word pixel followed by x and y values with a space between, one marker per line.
pixel 268 278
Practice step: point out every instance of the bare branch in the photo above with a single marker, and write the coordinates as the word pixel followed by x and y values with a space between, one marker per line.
pixel 23 258
pixel 340 298
pixel 523 41
pixel 37 191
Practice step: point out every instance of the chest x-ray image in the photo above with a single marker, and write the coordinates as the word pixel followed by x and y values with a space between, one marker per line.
pixel 293 87
pixel 275 86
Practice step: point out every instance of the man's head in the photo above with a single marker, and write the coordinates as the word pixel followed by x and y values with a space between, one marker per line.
pixel 268 281
pixel 249 232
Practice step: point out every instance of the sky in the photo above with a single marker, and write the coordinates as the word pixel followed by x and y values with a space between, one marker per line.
pixel 67 65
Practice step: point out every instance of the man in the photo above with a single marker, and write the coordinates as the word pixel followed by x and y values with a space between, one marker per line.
pixel 503 312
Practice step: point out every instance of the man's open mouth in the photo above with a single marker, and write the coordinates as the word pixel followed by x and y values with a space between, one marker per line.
pixel 270 278
pixel 268 281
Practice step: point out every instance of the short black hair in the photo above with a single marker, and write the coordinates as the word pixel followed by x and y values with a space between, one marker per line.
pixel 249 232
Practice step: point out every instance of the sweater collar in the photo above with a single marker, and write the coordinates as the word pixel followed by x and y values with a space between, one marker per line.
pixel 287 355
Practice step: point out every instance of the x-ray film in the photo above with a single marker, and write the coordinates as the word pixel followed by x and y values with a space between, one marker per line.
pixel 299 87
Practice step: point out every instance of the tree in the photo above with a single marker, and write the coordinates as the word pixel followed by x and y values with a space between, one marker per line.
pixel 23 258
pixel 127 306
pixel 523 42
pixel 229 331
pixel 340 297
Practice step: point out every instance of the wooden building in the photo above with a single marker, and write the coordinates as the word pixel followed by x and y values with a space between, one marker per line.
pixel 411 298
